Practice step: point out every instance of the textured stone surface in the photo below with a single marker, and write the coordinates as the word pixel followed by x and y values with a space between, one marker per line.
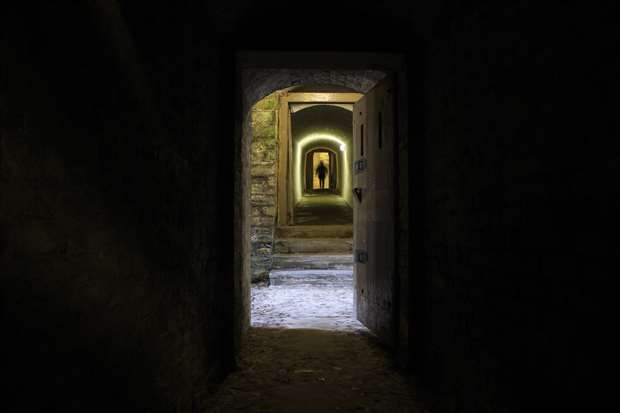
pixel 118 164
pixel 295 298
pixel 315 231
pixel 313 245
pixel 261 82
pixel 311 370
pixel 313 261
pixel 111 240
pixel 498 168
pixel 263 180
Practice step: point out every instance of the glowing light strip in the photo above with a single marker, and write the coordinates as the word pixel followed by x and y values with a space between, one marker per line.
pixel 299 149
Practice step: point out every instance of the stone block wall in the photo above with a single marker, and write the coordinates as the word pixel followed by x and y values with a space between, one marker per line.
pixel 263 184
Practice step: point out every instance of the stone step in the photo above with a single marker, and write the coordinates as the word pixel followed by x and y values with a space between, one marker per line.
pixel 315 231
pixel 314 278
pixel 313 245
pixel 312 261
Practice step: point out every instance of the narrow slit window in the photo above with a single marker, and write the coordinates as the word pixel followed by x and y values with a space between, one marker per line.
pixel 362 140
pixel 380 130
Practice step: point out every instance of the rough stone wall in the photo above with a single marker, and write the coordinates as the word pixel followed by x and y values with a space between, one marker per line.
pixel 260 82
pixel 117 200
pixel 263 186
pixel 507 252
pixel 110 232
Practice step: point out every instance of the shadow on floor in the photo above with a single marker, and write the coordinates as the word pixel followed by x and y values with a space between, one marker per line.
pixel 306 370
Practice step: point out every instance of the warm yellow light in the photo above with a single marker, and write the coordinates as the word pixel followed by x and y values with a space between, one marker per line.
pixel 319 157
pixel 300 150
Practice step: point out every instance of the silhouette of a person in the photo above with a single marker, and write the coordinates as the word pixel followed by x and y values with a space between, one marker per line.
pixel 321 171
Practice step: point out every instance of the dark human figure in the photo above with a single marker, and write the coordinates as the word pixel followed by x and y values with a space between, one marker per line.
pixel 321 171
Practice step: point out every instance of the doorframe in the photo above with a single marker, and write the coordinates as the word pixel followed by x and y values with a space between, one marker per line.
pixel 295 68
pixel 285 196
pixel 336 160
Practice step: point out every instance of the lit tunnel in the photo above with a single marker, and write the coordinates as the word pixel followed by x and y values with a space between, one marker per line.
pixel 322 127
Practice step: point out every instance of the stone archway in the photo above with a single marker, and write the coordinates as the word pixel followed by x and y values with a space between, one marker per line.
pixel 261 73
pixel 258 83
pixel 254 85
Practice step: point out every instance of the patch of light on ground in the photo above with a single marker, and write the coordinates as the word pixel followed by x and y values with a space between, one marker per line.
pixel 321 299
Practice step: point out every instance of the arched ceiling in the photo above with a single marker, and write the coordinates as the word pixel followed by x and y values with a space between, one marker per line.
pixel 321 119
pixel 296 107
pixel 258 83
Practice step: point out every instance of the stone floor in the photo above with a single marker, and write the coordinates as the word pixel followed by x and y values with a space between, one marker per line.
pixel 284 370
pixel 306 352
pixel 320 299
pixel 323 209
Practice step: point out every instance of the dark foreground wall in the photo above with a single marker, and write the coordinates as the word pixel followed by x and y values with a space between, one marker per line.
pixel 110 235
pixel 116 195
pixel 516 206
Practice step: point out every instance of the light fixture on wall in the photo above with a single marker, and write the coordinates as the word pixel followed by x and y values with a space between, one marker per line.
pixel 342 147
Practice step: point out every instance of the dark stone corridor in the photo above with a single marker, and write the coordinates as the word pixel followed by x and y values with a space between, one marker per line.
pixel 124 240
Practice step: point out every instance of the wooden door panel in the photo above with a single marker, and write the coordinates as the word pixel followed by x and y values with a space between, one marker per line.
pixel 373 231
pixel 359 209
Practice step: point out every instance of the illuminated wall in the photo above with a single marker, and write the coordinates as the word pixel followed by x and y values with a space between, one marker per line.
pixel 322 127
pixel 307 143
pixel 263 171
pixel 317 159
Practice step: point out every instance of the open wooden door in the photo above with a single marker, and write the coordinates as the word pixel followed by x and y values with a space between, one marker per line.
pixel 374 210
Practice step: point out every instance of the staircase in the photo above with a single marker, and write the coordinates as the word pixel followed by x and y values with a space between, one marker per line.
pixel 313 247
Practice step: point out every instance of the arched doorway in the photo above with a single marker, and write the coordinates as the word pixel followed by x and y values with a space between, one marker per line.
pixel 256 83
pixel 329 159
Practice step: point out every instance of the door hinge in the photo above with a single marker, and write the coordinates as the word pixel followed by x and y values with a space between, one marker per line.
pixel 361 256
